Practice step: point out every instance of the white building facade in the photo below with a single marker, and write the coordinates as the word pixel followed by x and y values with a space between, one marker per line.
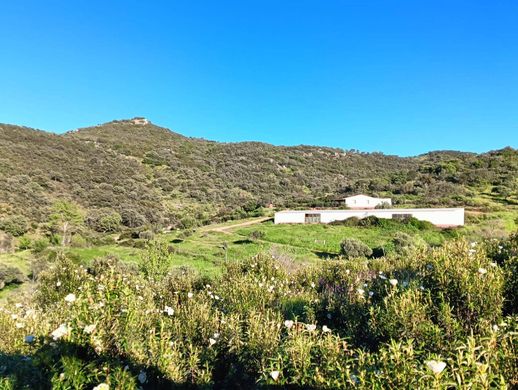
pixel 366 202
pixel 443 217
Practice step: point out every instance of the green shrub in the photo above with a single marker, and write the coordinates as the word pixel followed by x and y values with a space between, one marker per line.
pixel 352 247
pixel 104 220
pixel 16 225
pixel 40 245
pixel 24 243
pixel 10 275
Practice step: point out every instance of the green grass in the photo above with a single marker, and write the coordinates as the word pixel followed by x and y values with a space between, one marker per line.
pixel 127 254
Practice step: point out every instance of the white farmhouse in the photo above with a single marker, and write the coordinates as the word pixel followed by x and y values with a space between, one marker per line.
pixel 366 202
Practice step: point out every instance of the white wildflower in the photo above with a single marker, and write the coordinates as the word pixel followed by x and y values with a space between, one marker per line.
pixel 58 283
pixel 313 285
pixel 18 305
pixel 311 327
pixel 288 324
pixel 70 298
pixel 275 375
pixel 493 264
pixel 325 329
pixel 393 282
pixel 482 271
pixel 495 328
pixel 88 329
pixel 61 331
pixel 101 386
pixel 360 291
pixel 190 295
pixel 435 366
pixel 212 341
pixel 216 335
pixel 169 310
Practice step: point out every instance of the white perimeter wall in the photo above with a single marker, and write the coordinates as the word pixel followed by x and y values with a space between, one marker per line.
pixel 440 217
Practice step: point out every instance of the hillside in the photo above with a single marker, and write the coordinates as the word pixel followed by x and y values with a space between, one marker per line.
pixel 153 176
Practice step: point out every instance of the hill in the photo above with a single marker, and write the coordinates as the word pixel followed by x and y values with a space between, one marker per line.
pixel 153 176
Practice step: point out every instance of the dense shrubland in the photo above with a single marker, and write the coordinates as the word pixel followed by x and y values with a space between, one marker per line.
pixel 123 175
pixel 420 318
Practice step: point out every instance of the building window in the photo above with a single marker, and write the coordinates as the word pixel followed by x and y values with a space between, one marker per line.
pixel 312 218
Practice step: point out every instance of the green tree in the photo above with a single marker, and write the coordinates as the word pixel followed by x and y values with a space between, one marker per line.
pixel 66 219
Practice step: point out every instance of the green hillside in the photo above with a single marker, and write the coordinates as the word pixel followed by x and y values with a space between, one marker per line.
pixel 154 177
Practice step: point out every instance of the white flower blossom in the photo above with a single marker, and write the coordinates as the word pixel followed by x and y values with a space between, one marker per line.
pixel 190 295
pixel 101 386
pixel 212 341
pixel 435 366
pixel 88 329
pixel 58 283
pixel 275 375
pixel 288 324
pixel 70 298
pixel 482 271
pixel 360 291
pixel 311 327
pixel 393 282
pixel 61 331
pixel 169 310
pixel 325 329
pixel 313 285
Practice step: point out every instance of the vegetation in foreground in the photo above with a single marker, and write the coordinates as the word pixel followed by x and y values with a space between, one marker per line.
pixel 424 318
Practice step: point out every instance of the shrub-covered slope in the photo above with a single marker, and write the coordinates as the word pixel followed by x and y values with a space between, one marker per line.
pixel 155 176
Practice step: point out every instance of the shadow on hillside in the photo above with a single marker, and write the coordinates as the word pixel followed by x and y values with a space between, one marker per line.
pixel 42 370
pixel 326 255
pixel 243 242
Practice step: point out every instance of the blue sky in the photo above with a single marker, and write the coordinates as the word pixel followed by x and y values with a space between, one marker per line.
pixel 401 77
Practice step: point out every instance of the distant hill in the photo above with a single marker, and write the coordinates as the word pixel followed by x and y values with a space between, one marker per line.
pixel 153 176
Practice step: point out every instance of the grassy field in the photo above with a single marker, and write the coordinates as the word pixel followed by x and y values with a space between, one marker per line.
pixel 208 248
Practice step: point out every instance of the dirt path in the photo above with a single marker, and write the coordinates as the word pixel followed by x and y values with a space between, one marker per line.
pixel 225 229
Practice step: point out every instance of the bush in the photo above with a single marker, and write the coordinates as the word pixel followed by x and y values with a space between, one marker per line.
pixel 16 225
pixel 24 243
pixel 256 235
pixel 351 248
pixel 403 242
pixel 104 220
pixel 40 245
pixel 10 275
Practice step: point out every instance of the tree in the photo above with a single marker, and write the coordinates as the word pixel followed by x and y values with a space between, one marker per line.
pixel 66 219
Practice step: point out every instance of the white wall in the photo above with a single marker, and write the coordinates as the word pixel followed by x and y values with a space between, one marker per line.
pixel 365 202
pixel 439 217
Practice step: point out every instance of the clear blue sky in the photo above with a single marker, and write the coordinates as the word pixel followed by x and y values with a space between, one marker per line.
pixel 402 77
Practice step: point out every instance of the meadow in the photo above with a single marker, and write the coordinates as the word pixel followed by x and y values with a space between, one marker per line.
pixel 442 317
pixel 258 305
